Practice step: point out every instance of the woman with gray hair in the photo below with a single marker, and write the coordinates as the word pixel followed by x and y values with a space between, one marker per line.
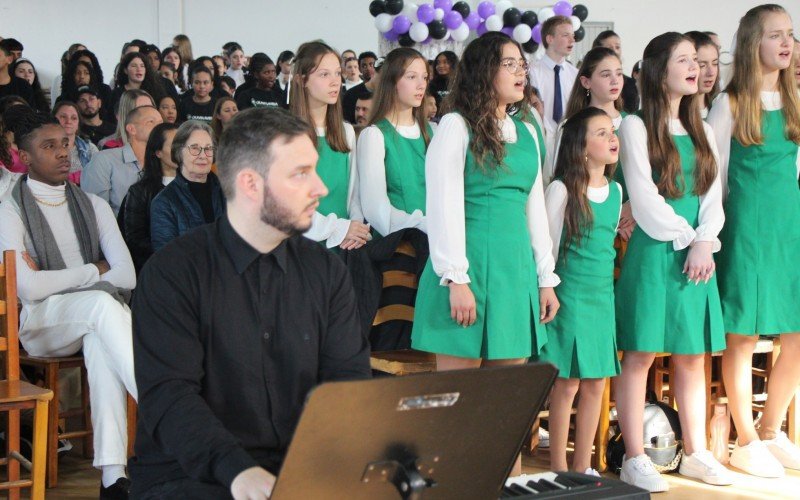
pixel 195 197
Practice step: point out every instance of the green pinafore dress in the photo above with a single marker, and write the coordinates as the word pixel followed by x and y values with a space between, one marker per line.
pixel 502 269
pixel 333 168
pixel 405 168
pixel 658 309
pixel 759 275
pixel 582 337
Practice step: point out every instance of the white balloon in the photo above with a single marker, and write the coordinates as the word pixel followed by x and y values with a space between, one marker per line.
pixel 545 13
pixel 494 23
pixel 384 22
pixel 418 32
pixel 576 22
pixel 438 14
pixel 461 33
pixel 502 6
pixel 522 33
pixel 410 10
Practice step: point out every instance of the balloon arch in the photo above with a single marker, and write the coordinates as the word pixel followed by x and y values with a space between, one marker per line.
pixel 444 25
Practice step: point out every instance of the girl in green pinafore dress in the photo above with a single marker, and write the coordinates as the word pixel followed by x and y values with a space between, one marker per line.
pixel 666 296
pixel 338 221
pixel 391 151
pixel 583 206
pixel 757 124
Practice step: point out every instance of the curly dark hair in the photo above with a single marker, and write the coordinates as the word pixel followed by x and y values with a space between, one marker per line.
pixel 97 72
pixel 472 94
pixel 6 103
pixel 151 83
pixel 69 89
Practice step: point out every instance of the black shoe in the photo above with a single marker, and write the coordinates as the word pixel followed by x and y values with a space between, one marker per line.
pixel 117 491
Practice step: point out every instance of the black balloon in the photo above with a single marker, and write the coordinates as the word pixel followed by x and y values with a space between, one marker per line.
pixel 437 30
pixel 377 7
pixel 530 46
pixel 579 34
pixel 530 18
pixel 394 7
pixel 580 11
pixel 511 17
pixel 462 8
pixel 405 40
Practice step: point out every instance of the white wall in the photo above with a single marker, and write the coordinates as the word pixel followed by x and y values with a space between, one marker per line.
pixel 48 27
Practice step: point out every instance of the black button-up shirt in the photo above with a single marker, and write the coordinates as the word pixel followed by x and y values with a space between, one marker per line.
pixel 227 344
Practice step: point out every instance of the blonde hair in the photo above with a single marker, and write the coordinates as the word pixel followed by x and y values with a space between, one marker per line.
pixel 744 90
pixel 307 60
pixel 184 47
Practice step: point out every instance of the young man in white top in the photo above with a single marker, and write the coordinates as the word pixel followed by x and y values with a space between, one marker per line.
pixel 553 75
pixel 73 270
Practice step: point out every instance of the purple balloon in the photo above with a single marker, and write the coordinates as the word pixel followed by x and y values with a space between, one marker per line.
pixel 481 28
pixel 447 5
pixel 562 8
pixel 427 40
pixel 473 20
pixel 485 9
pixel 391 35
pixel 425 13
pixel 508 30
pixel 453 20
pixel 401 24
pixel 536 33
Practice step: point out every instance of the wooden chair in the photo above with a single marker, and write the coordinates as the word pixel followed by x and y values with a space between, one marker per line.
pixel 16 395
pixel 50 368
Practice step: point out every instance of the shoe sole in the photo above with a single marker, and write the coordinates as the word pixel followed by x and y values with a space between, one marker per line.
pixel 712 482
pixel 656 490
pixel 756 473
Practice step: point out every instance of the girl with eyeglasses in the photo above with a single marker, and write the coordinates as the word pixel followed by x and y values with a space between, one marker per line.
pixel 195 197
pixel 487 291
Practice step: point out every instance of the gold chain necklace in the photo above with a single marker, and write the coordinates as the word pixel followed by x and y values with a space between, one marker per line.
pixel 48 204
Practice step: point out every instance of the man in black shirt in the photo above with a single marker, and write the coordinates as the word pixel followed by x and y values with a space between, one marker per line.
pixel 89 104
pixel 257 316
pixel 364 90
pixel 10 84
pixel 266 94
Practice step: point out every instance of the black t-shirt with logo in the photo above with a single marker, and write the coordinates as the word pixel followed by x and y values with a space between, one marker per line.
pixel 257 98
pixel 190 110
pixel 96 134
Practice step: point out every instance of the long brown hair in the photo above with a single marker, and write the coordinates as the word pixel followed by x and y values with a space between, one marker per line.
pixel 700 40
pixel 664 157
pixel 385 100
pixel 744 89
pixel 184 47
pixel 571 170
pixel 472 94
pixel 306 62
pixel 216 123
pixel 580 97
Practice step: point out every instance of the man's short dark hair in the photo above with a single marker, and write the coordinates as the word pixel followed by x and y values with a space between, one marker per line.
pixel 364 96
pixel 248 139
pixel 366 55
pixel 24 122
pixel 11 44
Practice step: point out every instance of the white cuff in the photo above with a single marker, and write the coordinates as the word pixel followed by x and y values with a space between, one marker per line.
pixel 550 280
pixel 684 239
pixel 458 277
pixel 340 228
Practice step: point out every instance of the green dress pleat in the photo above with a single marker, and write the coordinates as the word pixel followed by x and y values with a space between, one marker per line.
pixel 658 310
pixel 501 265
pixel 759 275
pixel 582 336
pixel 333 168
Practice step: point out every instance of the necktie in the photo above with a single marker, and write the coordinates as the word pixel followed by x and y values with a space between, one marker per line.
pixel 558 108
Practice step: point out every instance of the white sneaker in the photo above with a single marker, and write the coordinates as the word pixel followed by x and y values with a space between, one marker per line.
pixel 703 466
pixel 787 453
pixel 591 472
pixel 544 438
pixel 639 471
pixel 755 459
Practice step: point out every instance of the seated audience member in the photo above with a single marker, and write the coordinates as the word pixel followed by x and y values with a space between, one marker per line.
pixel 10 84
pixel 111 172
pixel 237 59
pixel 153 56
pixel 13 46
pixel 11 109
pixel 284 66
pixel 224 110
pixel 92 125
pixel 352 75
pixel 194 198
pixel 254 297
pixel 221 65
pixel 172 56
pixel 23 68
pixel 168 109
pixel 159 170
pixel 134 72
pixel 366 62
pixel 81 150
pixel 227 85
pixel 130 100
pixel 168 72
pixel 55 87
pixel 83 69
pixel 199 105
pixel 73 272
pixel 7 179
pixel 265 93
pixel 363 109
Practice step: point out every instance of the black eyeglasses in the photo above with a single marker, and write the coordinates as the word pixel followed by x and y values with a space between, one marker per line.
pixel 196 149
